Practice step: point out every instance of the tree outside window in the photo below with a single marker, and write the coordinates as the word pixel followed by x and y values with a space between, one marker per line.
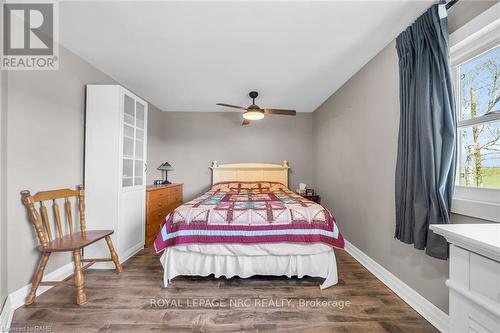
pixel 479 121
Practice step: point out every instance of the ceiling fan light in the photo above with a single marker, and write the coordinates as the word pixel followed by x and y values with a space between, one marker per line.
pixel 253 115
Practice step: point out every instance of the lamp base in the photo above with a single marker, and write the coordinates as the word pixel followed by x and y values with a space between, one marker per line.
pixel 165 180
pixel 161 182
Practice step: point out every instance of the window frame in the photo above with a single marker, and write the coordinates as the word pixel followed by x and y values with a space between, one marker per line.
pixel 470 41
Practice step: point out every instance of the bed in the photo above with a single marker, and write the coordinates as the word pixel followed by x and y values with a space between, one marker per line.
pixel 250 223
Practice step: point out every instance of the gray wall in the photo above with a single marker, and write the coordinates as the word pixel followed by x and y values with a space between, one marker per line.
pixel 44 150
pixel 154 144
pixel 3 220
pixel 3 211
pixel 354 157
pixel 45 120
pixel 191 140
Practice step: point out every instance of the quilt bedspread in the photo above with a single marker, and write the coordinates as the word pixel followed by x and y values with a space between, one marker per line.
pixel 249 213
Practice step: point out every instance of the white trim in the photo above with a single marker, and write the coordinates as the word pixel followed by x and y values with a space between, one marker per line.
pixel 126 256
pixel 483 203
pixel 479 33
pixel 477 209
pixel 16 299
pixel 429 311
pixel 487 118
pixel 6 316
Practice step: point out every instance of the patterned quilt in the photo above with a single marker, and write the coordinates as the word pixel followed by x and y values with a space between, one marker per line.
pixel 249 213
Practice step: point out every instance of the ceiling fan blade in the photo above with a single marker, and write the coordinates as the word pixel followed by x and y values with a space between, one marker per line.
pixel 281 111
pixel 245 122
pixel 231 106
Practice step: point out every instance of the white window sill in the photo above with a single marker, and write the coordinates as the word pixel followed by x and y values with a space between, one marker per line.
pixel 482 203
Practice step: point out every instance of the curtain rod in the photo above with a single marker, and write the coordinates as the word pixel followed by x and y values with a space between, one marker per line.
pixel 451 3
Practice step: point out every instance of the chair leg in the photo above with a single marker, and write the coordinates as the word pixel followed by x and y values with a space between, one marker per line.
pixel 114 256
pixel 37 278
pixel 80 295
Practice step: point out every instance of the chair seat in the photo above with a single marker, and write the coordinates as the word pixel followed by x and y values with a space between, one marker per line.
pixel 75 241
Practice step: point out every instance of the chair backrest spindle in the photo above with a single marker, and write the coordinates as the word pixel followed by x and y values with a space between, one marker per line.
pixel 57 217
pixel 81 207
pixel 45 220
pixel 69 215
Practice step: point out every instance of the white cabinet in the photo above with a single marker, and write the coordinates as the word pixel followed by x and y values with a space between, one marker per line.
pixel 115 167
pixel 474 281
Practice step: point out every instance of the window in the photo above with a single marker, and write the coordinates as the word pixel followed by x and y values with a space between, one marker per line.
pixel 478 107
pixel 475 58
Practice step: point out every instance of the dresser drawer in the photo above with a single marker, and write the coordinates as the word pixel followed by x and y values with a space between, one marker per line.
pixel 475 273
pixel 153 228
pixel 176 199
pixel 177 189
pixel 158 194
pixel 161 204
pixel 474 292
pixel 158 214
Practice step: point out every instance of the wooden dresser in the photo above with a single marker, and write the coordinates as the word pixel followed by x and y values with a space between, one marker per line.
pixel 160 200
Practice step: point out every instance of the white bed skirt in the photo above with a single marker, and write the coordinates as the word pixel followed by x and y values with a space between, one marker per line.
pixel 177 262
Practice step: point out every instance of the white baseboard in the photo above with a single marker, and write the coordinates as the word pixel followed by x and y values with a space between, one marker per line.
pixel 132 252
pixel 126 256
pixel 16 298
pixel 429 311
pixel 6 316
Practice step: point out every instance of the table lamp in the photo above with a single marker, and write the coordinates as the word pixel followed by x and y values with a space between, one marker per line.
pixel 165 168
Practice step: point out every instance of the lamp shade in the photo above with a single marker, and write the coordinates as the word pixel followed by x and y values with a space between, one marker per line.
pixel 165 167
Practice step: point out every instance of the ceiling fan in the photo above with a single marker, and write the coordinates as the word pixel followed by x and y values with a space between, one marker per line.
pixel 254 112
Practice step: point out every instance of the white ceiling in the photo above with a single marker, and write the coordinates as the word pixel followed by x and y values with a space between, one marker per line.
pixel 187 56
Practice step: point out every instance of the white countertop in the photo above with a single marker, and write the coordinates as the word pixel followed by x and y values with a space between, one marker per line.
pixel 484 239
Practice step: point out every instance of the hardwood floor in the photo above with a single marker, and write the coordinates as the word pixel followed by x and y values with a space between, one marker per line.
pixel 134 301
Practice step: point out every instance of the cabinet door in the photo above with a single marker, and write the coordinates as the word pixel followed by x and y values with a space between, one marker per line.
pixel 134 142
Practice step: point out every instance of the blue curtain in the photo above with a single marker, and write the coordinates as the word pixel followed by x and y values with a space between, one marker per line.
pixel 426 161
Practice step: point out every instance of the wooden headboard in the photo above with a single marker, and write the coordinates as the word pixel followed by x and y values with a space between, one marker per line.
pixel 250 172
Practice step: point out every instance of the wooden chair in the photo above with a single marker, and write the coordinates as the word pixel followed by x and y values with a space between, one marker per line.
pixel 72 242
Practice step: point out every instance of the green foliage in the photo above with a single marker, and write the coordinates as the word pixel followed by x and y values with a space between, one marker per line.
pixel 490 178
